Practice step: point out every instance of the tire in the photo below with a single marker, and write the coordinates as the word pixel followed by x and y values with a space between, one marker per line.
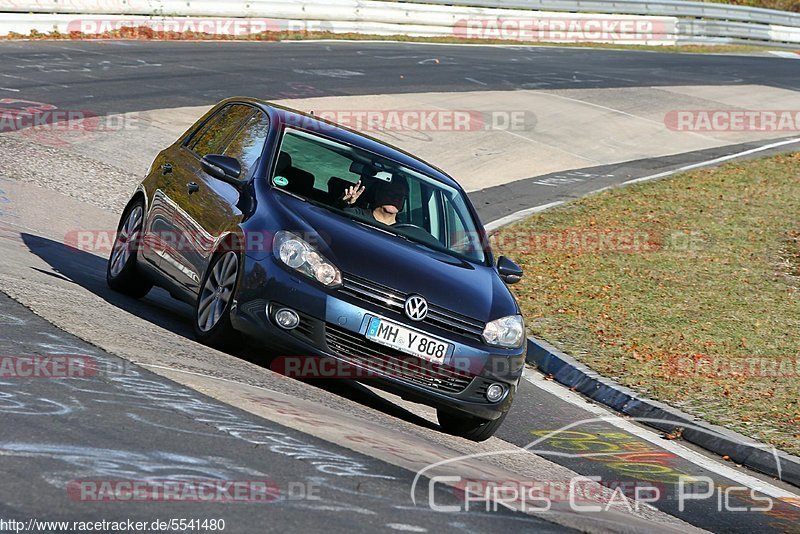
pixel 122 273
pixel 212 311
pixel 472 428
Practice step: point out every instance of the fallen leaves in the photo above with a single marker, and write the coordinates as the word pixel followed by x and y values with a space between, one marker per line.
pixel 707 304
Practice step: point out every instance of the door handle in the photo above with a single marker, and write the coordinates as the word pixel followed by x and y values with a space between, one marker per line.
pixel 193 187
pixel 166 168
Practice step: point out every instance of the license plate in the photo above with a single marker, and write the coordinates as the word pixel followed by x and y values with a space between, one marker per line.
pixel 404 339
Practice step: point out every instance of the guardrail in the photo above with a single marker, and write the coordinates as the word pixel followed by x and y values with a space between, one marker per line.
pixel 675 21
pixel 664 8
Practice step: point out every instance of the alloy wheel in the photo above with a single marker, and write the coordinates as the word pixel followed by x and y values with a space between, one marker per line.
pixel 217 291
pixel 127 238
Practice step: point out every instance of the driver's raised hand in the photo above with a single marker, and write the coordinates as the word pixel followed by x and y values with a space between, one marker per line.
pixel 352 193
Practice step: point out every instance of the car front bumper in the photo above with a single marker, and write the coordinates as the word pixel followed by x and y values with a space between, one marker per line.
pixel 333 325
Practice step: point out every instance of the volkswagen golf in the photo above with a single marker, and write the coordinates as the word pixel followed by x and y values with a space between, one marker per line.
pixel 311 239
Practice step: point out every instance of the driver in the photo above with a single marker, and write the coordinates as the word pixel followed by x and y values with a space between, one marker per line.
pixel 389 200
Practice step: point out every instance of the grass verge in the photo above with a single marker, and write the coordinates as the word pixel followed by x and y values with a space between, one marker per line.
pixel 144 33
pixel 685 289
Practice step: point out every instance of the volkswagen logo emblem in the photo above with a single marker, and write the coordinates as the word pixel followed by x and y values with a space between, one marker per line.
pixel 416 307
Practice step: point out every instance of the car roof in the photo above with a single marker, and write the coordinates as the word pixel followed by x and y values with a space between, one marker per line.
pixel 292 117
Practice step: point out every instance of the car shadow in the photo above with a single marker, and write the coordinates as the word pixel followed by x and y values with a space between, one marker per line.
pixel 160 309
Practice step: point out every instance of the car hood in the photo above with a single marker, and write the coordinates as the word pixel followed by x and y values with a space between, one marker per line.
pixel 357 249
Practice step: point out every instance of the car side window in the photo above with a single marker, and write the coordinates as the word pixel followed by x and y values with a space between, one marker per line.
pixel 248 143
pixel 434 208
pixel 214 135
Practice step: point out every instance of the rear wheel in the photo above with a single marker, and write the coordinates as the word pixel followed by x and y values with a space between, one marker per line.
pixel 122 273
pixel 470 427
pixel 212 313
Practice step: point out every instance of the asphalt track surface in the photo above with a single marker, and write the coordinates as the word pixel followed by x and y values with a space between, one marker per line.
pixel 120 422
pixel 116 77
pixel 105 77
pixel 112 77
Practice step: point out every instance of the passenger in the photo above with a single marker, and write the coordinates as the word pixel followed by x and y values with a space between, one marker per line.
pixel 389 200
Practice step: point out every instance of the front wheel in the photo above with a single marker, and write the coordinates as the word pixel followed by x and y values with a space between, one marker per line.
pixel 122 274
pixel 470 427
pixel 212 312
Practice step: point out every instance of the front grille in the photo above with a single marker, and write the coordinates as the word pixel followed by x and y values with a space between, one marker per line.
pixel 391 299
pixel 359 351
pixel 305 327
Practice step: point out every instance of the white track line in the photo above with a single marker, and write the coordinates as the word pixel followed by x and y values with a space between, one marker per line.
pixel 604 108
pixel 508 219
pixel 517 215
pixel 696 458
pixel 713 161
pixel 791 55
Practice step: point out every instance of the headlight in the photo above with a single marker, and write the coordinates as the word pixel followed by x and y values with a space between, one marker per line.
pixel 505 332
pixel 302 257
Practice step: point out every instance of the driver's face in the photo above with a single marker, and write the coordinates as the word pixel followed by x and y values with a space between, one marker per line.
pixel 391 197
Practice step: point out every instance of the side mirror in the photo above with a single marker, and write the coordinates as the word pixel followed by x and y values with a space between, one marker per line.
pixel 510 272
pixel 223 168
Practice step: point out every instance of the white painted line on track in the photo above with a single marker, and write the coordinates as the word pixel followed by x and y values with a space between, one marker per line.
pixel 508 219
pixel 473 80
pixel 556 389
pixel 604 108
pixel 713 161
pixel 790 55
pixel 517 215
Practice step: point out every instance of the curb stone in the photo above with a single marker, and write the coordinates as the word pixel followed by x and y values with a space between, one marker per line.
pixel 742 450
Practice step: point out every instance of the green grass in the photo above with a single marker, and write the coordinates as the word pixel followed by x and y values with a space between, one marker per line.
pixel 715 281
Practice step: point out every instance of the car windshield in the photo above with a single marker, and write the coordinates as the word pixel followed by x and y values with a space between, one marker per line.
pixel 433 214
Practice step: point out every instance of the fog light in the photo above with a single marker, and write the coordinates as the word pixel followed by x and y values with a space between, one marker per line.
pixel 495 392
pixel 286 318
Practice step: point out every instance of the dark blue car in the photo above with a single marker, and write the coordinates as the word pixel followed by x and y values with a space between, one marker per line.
pixel 315 241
